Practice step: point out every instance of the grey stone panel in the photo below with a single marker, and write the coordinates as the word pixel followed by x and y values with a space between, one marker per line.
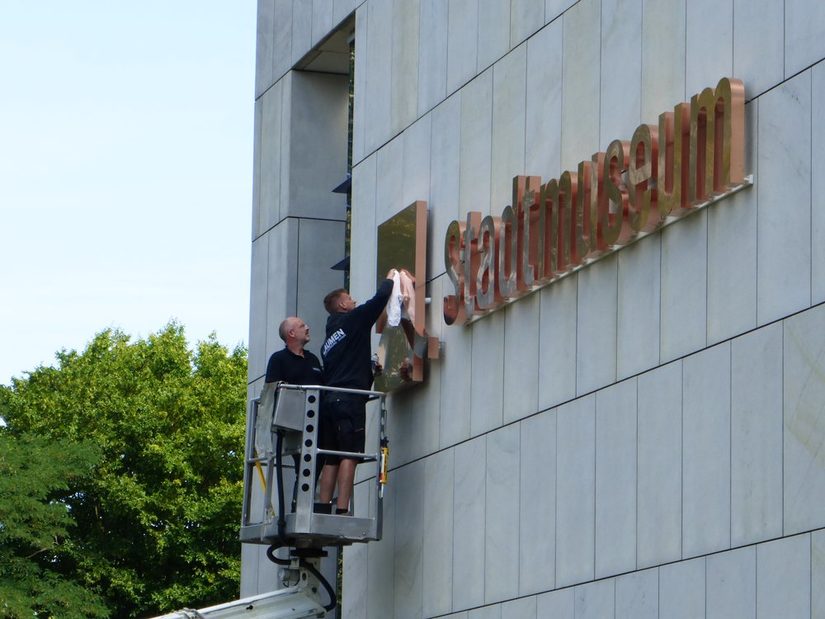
pixel 732 225
pixel 267 577
pixel 253 556
pixel 804 422
pixel 557 334
pixel 756 436
pixel 523 608
pixel 409 538
pixel 682 589
pixel 659 503
pixel 432 54
pixel 537 509
pixel 434 322
pixel 458 616
pixel 595 600
pixel 256 169
pixel 731 584
pixel 317 146
pixel 637 595
pixel 580 83
pixel 804 34
pixel 432 398
pixel 487 382
pixel 283 159
pixel 706 440
pixel 389 180
pixel 341 9
pixel 784 255
pixel 301 29
pixel 356 575
pixel 818 574
pixel 254 564
pixel 709 43
pixel 415 184
pixel 269 164
pixel 783 578
pixel 639 299
pixel 360 119
pixel 444 178
pixel 616 479
pixel 526 17
pixel 249 569
pixel 493 31
pixel 663 56
pixel 485 612
pixel 362 260
pixel 501 561
pixel 684 287
pixel 363 242
pixel 817 187
pixel 621 56
pixel 554 8
pixel 556 604
pixel 414 420
pixel 596 327
pixel 437 584
pixel 321 20
pixel 263 48
pixel 282 280
pixel 320 245
pixel 575 491
pixel 462 42
pixel 373 426
pixel 253 389
pixel 543 107
pixel 404 73
pixel 509 97
pixel 455 385
pixel 476 142
pixel 521 358
pixel 468 523
pixel 257 356
pixel 758 42
pixel 282 38
pixel 377 108
pixel 381 560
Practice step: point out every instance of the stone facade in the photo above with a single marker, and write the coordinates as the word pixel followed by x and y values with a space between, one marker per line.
pixel 643 438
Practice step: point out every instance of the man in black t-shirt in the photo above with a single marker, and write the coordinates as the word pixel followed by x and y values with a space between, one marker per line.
pixel 347 363
pixel 293 364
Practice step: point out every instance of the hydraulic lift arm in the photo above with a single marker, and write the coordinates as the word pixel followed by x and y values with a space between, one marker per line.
pixel 295 602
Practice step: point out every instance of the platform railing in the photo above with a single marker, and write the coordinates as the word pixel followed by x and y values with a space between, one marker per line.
pixel 282 465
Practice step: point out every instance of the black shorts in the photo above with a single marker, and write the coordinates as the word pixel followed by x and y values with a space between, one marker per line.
pixel 342 427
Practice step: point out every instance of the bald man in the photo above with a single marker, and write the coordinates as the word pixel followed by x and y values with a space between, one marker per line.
pixel 293 364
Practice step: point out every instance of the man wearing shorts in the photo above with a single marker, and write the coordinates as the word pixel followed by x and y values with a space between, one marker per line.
pixel 347 361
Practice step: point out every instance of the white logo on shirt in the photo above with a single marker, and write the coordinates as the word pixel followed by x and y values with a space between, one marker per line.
pixel 332 340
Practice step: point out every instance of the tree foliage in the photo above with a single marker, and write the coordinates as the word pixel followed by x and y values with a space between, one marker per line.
pixel 35 479
pixel 156 524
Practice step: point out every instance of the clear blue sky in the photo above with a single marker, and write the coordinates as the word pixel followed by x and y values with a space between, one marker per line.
pixel 125 171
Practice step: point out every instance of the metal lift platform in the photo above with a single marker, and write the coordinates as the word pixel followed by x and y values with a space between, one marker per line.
pixel 282 464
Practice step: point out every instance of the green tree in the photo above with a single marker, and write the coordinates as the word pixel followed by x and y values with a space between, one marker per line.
pixel 35 478
pixel 156 526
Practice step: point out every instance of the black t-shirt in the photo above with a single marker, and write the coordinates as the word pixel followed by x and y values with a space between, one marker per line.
pixel 294 369
pixel 346 350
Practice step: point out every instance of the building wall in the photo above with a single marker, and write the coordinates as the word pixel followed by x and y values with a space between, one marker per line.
pixel 643 438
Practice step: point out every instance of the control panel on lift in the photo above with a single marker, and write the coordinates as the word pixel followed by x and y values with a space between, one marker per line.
pixel 283 461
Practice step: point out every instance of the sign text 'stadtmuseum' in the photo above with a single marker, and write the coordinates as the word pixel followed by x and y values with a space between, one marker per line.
pixel 694 155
